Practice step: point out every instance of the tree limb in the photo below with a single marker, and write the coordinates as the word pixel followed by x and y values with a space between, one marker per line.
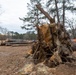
pixel 46 14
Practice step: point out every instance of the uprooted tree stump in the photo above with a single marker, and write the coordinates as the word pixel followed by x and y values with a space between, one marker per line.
pixel 45 51
pixel 52 48
pixel 54 44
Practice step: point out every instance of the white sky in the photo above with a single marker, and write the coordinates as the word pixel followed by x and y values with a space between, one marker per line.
pixel 13 9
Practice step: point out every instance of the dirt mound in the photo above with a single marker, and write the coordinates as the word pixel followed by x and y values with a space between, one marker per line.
pixel 41 69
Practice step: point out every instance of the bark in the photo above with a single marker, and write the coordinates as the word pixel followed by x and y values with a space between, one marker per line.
pixel 50 19
pixel 45 51
pixel 46 14
pixel 63 12
pixel 57 10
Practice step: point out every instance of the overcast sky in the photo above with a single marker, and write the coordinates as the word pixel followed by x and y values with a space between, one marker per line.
pixel 12 10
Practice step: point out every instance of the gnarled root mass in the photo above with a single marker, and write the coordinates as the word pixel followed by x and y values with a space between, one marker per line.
pixel 53 48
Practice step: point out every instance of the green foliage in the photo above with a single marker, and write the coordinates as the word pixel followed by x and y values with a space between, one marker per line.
pixel 33 17
pixel 16 35
pixel 30 36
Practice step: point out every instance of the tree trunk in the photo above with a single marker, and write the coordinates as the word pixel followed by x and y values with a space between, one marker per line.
pixel 50 19
pixel 57 11
pixel 63 12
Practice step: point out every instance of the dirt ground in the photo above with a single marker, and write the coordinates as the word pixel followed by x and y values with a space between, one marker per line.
pixel 12 59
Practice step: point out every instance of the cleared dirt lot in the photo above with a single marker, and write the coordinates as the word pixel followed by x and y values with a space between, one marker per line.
pixel 12 59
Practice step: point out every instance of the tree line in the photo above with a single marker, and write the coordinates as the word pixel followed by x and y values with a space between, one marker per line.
pixel 15 35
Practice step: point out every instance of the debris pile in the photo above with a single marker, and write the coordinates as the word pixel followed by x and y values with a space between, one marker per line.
pixel 52 48
pixel 54 44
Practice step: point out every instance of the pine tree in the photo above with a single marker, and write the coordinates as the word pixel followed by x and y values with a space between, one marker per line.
pixel 34 16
